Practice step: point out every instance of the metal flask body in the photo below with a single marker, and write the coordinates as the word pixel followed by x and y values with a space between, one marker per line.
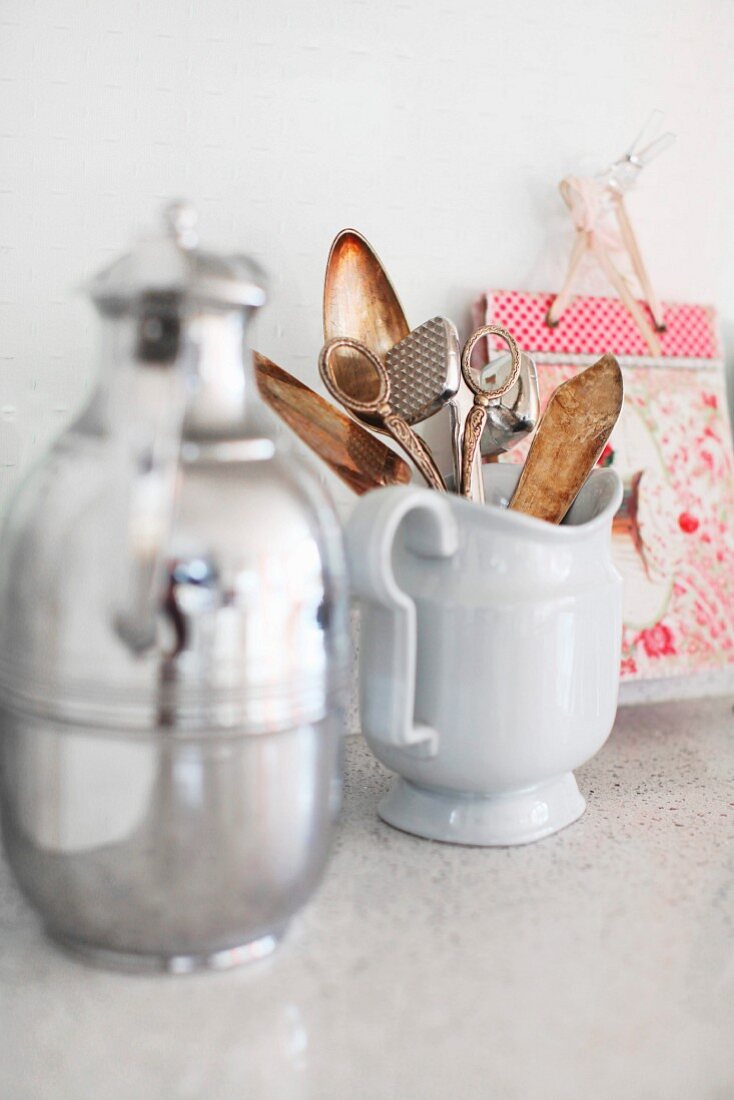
pixel 173 640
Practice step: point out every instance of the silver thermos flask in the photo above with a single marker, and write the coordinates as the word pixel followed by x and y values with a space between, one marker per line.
pixel 173 639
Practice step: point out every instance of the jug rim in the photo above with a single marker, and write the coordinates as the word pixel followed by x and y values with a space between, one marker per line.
pixel 604 483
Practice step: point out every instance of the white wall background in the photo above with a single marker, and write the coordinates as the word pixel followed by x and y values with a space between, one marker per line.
pixel 439 129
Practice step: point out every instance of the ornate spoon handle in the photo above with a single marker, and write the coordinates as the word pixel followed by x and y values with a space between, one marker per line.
pixel 473 428
pixel 415 448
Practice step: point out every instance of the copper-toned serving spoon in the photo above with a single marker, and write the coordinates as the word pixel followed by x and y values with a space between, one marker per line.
pixel 361 461
pixel 359 302
pixel 571 436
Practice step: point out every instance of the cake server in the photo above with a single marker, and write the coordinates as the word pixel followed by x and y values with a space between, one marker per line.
pixel 572 434
pixel 350 451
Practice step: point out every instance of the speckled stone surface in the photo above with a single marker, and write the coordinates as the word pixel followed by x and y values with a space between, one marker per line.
pixel 596 964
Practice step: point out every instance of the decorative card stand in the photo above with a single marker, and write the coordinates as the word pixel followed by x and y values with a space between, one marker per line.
pixel 674 534
pixel 592 201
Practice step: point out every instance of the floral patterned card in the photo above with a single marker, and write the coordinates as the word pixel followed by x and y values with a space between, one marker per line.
pixel 673 537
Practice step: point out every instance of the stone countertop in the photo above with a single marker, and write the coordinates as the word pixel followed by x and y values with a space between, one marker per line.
pixel 598 963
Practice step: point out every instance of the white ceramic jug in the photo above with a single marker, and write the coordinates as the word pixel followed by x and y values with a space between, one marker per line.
pixel 489 655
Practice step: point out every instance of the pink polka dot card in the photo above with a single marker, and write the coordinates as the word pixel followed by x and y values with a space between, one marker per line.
pixel 673 536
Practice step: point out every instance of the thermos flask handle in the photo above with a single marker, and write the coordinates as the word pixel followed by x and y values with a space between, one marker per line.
pixel 388 641
pixel 150 464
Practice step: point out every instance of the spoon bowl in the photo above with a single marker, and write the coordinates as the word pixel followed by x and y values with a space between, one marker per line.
pixel 359 302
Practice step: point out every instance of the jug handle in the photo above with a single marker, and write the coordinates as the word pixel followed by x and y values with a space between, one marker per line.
pixel 388 639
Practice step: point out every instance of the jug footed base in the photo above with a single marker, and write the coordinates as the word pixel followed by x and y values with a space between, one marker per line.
pixel 161 963
pixel 496 820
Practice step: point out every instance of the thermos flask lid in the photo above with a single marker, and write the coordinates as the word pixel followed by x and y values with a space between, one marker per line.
pixel 172 265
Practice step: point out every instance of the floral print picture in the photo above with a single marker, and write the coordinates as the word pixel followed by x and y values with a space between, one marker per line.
pixel 673 537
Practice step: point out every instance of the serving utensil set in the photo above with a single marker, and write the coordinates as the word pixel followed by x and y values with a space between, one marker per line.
pixel 390 379
pixel 424 366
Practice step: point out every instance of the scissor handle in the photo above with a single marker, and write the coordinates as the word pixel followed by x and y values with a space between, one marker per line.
pixel 327 375
pixel 499 391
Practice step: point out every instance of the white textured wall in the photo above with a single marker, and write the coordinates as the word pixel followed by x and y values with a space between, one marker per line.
pixel 439 129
